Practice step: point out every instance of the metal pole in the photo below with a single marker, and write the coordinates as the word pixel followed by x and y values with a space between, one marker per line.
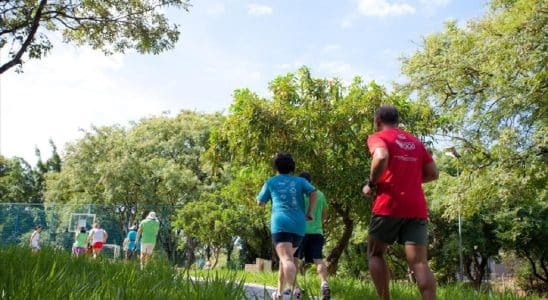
pixel 460 248
pixel 461 267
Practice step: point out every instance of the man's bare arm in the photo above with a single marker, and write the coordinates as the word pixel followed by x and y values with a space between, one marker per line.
pixel 311 204
pixel 430 172
pixel 379 163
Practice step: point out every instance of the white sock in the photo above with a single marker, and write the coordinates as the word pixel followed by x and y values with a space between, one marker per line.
pixel 324 283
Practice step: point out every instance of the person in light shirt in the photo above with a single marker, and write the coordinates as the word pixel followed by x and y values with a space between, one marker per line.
pixel 35 239
pixel 147 233
pixel 98 237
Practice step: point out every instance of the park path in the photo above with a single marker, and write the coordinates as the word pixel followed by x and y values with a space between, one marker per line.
pixel 262 292
pixel 258 291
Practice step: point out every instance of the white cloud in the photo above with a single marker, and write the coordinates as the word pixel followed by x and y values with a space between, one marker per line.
pixel 435 2
pixel 429 7
pixel 216 9
pixel 255 9
pixel 384 8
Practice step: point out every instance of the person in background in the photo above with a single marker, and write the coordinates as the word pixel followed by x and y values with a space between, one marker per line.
pixel 79 246
pixel 131 246
pixel 147 233
pixel 35 239
pixel 98 237
pixel 400 165
pixel 311 249
pixel 288 217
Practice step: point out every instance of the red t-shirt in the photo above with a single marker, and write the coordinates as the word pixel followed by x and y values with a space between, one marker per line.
pixel 399 189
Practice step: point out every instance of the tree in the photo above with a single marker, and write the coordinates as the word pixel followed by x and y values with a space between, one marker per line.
pixel 153 164
pixel 111 26
pixel 488 83
pixel 215 223
pixel 324 127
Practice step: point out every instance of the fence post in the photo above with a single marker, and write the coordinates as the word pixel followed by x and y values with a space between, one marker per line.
pixel 15 228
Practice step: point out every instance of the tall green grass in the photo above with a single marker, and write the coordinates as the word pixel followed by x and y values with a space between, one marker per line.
pixel 344 288
pixel 51 274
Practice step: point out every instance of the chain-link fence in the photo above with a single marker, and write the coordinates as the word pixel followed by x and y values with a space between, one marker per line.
pixel 59 222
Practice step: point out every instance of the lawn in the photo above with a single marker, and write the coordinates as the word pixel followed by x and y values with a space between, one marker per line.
pixel 52 274
pixel 352 289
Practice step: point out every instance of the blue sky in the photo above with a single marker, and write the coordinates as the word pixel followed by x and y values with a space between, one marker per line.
pixel 224 45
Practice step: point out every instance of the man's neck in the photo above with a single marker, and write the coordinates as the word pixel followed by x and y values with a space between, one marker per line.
pixel 386 126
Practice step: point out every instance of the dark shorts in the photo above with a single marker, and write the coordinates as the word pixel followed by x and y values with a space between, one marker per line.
pixel 311 248
pixel 402 230
pixel 286 237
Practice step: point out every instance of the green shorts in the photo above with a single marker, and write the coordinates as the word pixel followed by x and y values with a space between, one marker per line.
pixel 402 230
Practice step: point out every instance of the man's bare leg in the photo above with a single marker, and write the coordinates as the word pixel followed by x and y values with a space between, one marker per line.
pixel 281 283
pixel 285 253
pixel 416 259
pixel 322 269
pixel 378 267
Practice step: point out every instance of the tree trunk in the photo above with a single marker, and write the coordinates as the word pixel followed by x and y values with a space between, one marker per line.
pixel 229 250
pixel 189 251
pixel 208 252
pixel 216 252
pixel 533 265
pixel 475 270
pixel 337 251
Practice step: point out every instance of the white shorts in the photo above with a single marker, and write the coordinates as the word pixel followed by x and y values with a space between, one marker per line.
pixel 147 248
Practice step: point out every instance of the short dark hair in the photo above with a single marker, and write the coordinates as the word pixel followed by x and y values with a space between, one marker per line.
pixel 38 227
pixel 306 176
pixel 387 114
pixel 284 163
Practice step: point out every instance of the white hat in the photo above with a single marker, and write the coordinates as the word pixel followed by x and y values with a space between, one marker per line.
pixel 151 215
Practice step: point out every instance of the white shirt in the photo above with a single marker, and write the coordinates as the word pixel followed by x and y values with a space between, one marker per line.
pixel 34 241
pixel 98 234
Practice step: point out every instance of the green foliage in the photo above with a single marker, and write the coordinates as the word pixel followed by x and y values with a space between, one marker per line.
pixel 20 182
pixel 156 161
pixel 53 274
pixel 111 26
pixel 324 125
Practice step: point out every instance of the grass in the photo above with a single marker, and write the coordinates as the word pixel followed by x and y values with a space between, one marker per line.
pixel 52 274
pixel 353 289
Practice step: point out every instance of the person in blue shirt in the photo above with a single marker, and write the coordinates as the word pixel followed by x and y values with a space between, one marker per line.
pixel 288 217
pixel 132 245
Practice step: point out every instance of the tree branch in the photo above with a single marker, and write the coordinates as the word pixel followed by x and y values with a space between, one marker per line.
pixel 32 32
pixel 534 266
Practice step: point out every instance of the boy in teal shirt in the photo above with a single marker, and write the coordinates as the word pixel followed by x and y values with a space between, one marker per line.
pixel 288 219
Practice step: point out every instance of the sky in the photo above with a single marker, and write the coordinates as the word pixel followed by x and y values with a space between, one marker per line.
pixel 224 45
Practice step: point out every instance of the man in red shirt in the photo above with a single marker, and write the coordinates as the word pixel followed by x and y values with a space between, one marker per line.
pixel 399 166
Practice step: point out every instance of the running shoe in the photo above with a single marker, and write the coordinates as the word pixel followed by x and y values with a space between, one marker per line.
pixel 325 292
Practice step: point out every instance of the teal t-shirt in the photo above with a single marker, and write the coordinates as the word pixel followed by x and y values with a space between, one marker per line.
pixel 287 194
pixel 150 231
pixel 132 237
pixel 316 226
